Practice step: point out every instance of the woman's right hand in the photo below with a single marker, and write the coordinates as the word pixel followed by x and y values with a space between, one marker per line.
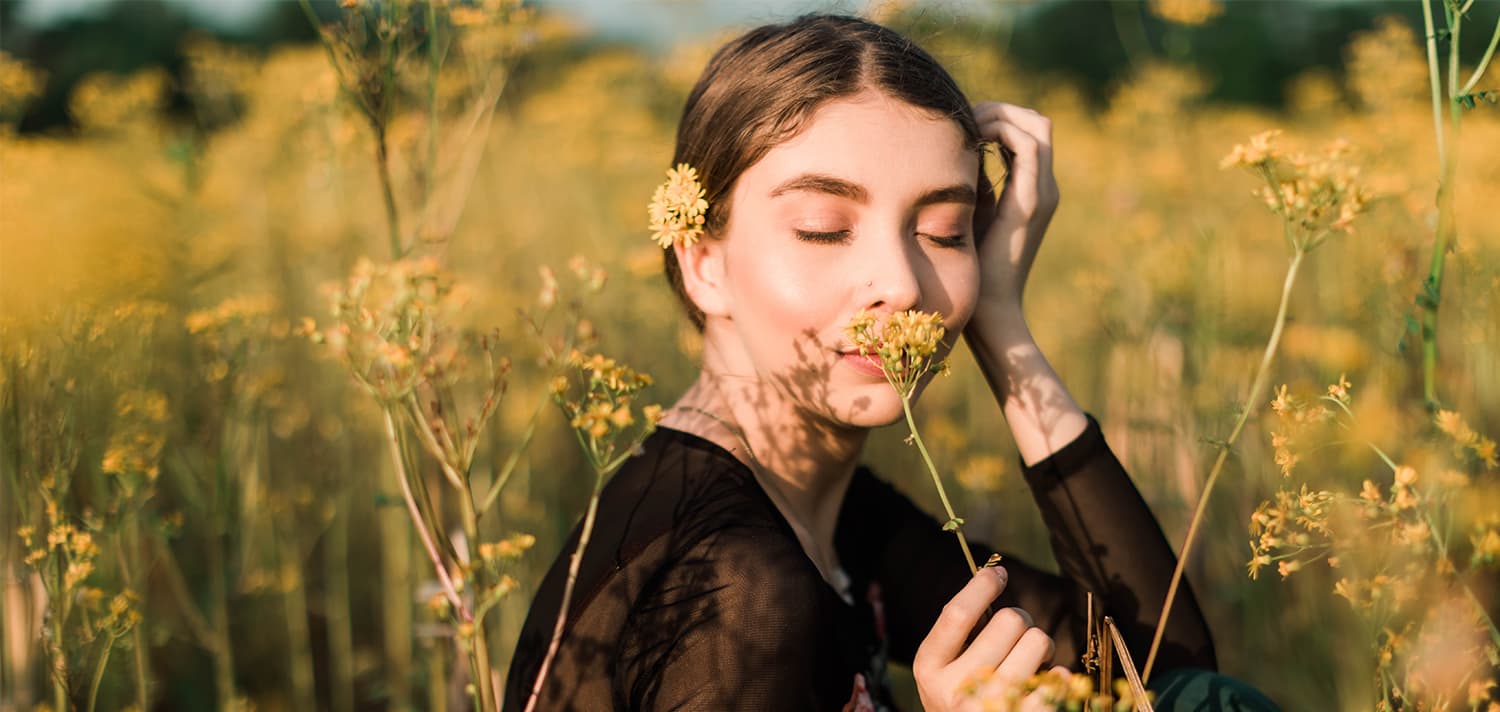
pixel 1009 649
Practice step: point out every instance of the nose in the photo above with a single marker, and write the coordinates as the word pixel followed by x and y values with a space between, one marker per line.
pixel 891 272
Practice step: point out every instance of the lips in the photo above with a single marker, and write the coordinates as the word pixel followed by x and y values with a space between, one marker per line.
pixel 866 364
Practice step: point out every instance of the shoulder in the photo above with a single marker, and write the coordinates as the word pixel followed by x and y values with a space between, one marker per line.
pixel 679 481
pixel 713 510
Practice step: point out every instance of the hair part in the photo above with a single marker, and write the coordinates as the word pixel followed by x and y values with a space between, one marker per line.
pixel 759 89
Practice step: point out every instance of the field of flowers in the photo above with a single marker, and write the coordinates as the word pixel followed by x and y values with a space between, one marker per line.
pixel 261 368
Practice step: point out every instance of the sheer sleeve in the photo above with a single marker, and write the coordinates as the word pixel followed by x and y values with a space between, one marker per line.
pixel 1103 536
pixel 734 625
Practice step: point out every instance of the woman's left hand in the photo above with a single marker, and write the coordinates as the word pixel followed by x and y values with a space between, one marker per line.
pixel 1027 202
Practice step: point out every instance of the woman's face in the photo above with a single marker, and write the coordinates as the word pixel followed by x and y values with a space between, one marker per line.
pixel 870 206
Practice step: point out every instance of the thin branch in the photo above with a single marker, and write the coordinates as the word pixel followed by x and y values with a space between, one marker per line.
pixel 1484 62
pixel 440 569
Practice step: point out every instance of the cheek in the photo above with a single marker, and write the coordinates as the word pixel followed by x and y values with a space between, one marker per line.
pixel 778 292
pixel 955 291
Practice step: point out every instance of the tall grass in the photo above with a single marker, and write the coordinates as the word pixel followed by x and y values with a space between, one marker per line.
pixel 266 543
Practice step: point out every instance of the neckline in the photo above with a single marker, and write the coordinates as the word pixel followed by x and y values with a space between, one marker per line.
pixel 719 451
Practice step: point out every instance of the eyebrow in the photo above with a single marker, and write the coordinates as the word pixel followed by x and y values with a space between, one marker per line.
pixel 830 185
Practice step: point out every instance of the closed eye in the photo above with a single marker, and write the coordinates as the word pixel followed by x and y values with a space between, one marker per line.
pixel 831 238
pixel 945 240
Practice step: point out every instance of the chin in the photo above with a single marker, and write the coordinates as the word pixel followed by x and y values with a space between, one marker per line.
pixel 872 405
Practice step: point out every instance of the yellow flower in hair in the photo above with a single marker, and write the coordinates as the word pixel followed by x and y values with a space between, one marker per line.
pixel 678 207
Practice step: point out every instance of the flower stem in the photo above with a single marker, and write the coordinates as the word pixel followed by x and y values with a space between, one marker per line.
pixel 562 612
pixel 416 519
pixel 1257 388
pixel 1432 286
pixel 99 671
pixel 1484 62
pixel 479 651
pixel 958 531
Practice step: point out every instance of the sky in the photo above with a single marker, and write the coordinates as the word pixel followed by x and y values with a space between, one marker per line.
pixel 641 19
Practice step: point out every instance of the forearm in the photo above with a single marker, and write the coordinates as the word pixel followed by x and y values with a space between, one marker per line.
pixel 1042 414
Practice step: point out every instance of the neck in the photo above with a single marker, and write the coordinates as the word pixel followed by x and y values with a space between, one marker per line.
pixel 803 463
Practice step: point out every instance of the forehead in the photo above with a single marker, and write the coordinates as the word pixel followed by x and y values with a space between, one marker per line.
pixel 893 149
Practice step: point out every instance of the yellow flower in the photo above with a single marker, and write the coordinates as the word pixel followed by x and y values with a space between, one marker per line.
pixel 1259 151
pixel 1340 390
pixel 678 208
pixel 1451 423
pixel 1486 546
pixel 905 344
pixel 1282 403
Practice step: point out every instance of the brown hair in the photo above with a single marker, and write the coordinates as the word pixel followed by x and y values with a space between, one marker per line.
pixel 758 89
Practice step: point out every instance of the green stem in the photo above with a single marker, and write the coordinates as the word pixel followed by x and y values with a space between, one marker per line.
pixel 1434 77
pixel 437 694
pixel 99 671
pixel 1484 62
pixel 562 612
pixel 419 522
pixel 59 664
pixel 958 529
pixel 223 649
pixel 336 608
pixel 392 217
pixel 1257 388
pixel 514 459
pixel 299 638
pixel 132 533
pixel 1432 287
pixel 480 647
pixel 435 63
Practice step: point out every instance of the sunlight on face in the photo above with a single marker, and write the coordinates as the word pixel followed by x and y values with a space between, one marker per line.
pixel 870 206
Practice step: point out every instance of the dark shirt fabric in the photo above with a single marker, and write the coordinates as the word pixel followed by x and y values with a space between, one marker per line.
pixel 694 593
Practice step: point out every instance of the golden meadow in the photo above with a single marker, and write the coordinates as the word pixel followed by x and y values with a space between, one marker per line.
pixel 206 423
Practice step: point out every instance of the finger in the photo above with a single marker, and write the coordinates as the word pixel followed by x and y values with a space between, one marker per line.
pixel 1027 145
pixel 1026 163
pixel 1034 122
pixel 994 643
pixel 946 640
pixel 1038 126
pixel 1040 701
pixel 1030 653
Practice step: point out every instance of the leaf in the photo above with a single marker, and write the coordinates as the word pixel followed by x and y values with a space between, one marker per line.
pixel 1428 298
pixel 953 524
pixel 1411 328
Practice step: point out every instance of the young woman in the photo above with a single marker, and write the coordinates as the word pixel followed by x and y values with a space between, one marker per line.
pixel 745 560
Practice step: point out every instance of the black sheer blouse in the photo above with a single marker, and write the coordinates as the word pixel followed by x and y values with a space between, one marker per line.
pixel 695 593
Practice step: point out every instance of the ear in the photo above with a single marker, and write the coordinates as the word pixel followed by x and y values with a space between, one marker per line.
pixel 704 275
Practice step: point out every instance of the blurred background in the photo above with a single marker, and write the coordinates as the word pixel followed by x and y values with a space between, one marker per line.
pixel 179 181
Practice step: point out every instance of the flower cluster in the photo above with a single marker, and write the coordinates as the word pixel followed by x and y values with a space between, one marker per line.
pixel 597 396
pixel 678 208
pixel 1317 194
pixel 1391 543
pixel 907 344
pixel 1055 690
pixel 393 325
pixel 1298 418
pixel 138 437
pixel 1291 531
pixel 1465 440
